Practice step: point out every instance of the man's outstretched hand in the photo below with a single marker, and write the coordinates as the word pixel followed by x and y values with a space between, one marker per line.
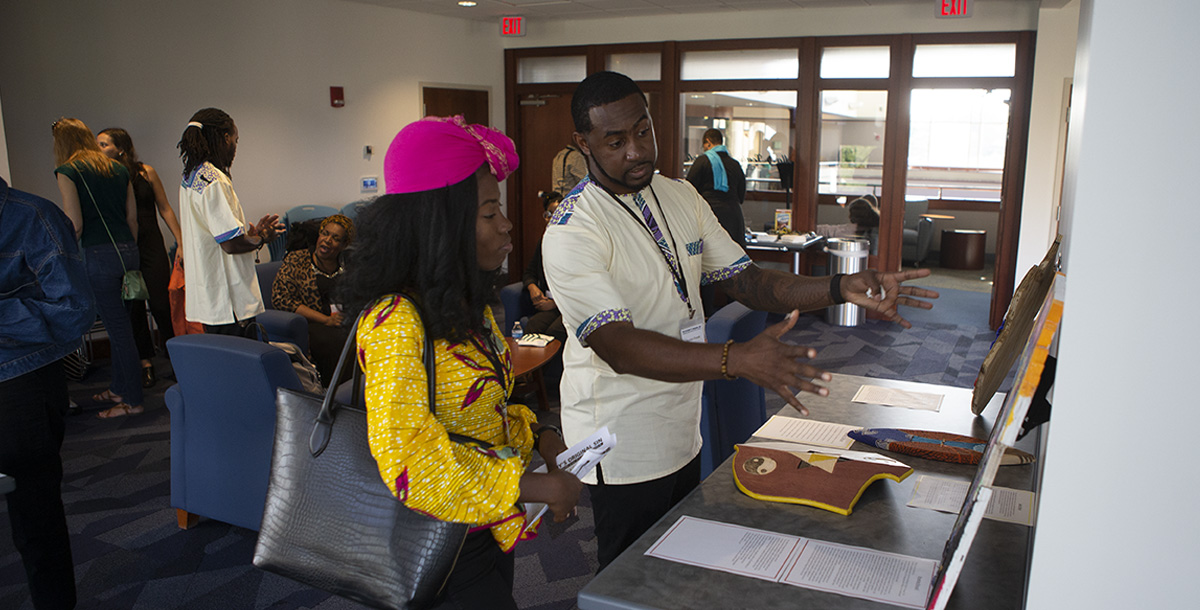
pixel 769 362
pixel 883 292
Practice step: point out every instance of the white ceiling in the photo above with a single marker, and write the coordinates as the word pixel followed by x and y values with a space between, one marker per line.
pixel 487 10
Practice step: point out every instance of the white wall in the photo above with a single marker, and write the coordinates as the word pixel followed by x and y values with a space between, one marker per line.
pixel 1117 525
pixel 1054 64
pixel 998 15
pixel 147 66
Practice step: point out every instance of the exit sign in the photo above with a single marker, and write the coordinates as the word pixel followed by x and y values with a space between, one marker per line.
pixel 952 9
pixel 512 26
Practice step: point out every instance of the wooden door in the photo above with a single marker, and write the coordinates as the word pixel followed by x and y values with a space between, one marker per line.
pixel 443 101
pixel 545 128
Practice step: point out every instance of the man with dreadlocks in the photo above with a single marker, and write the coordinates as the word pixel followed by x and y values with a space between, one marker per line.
pixel 222 291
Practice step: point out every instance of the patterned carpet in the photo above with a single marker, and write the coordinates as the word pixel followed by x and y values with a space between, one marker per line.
pixel 129 553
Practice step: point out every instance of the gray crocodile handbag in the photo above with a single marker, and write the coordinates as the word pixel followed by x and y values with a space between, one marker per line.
pixel 331 523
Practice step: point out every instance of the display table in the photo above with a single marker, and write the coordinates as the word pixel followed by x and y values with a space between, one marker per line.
pixel 770 243
pixel 963 248
pixel 994 575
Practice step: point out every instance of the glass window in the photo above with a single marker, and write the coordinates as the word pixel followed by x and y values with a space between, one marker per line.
pixel 757 128
pixel 851 163
pixel 856 62
pixel 851 152
pixel 569 69
pixel 749 63
pixel 638 66
pixel 931 60
pixel 956 143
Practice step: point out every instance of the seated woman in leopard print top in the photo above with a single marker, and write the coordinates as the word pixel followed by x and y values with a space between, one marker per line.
pixel 304 284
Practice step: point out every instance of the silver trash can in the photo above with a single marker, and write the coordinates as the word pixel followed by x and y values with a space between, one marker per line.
pixel 848 256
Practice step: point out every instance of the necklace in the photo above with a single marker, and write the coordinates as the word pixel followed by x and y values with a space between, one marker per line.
pixel 317 268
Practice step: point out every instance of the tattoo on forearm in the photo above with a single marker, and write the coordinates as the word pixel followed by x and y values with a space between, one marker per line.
pixel 777 291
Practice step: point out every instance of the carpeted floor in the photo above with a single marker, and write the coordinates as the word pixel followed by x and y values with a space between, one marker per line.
pixel 129 553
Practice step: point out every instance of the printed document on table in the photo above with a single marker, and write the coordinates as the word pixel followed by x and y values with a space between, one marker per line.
pixel 725 547
pixel 863 573
pixel 947 495
pixel 806 431
pixel 891 397
pixel 577 460
pixel 802 562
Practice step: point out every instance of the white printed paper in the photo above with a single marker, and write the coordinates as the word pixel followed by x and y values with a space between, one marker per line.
pixel 728 548
pixel 534 340
pixel 577 460
pixel 863 573
pixel 947 495
pixel 802 562
pixel 807 431
pixel 891 397
pixel 850 454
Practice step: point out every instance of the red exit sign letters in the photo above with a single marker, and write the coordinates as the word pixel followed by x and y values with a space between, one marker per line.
pixel 952 9
pixel 512 26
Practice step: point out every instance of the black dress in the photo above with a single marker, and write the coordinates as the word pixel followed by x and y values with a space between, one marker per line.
pixel 156 270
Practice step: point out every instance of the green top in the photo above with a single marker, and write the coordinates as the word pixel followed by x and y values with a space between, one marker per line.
pixel 110 193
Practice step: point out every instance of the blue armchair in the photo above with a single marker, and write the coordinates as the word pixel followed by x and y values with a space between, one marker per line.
pixel 223 426
pixel 730 410
pixel 917 234
pixel 279 325
pixel 517 305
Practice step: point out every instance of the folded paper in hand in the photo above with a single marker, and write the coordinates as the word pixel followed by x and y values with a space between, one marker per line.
pixel 534 340
pixel 579 460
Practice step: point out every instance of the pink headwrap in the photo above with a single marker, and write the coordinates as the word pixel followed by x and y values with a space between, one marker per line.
pixel 436 152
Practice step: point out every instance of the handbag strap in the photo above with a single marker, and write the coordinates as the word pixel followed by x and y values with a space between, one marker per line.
pixel 101 215
pixel 321 432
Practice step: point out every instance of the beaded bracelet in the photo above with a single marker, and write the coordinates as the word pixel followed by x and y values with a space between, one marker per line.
pixel 725 361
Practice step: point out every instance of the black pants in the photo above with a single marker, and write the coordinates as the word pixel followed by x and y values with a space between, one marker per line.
pixel 482 578
pixel 31 435
pixel 241 328
pixel 156 270
pixel 326 343
pixel 624 512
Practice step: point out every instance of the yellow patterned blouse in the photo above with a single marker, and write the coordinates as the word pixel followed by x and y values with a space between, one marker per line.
pixel 420 464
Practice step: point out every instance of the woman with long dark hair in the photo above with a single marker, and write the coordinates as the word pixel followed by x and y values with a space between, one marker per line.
pixel 156 267
pixel 426 261
pixel 99 200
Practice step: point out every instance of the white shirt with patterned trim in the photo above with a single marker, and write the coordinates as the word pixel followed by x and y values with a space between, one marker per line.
pixel 604 266
pixel 220 286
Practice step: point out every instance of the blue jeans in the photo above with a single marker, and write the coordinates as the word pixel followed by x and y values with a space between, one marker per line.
pixel 105 272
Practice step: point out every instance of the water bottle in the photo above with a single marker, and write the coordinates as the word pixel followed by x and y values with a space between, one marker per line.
pixel 516 330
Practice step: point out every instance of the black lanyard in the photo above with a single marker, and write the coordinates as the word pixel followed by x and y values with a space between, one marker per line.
pixel 676 273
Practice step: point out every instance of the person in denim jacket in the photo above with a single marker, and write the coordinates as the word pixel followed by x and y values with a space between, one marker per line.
pixel 45 307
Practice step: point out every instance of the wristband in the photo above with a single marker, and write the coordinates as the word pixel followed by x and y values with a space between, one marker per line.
pixel 835 289
pixel 537 434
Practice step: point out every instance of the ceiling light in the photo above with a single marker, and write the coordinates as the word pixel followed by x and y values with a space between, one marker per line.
pixel 466 3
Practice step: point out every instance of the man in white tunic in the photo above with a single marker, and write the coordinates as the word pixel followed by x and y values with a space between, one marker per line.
pixel 625 255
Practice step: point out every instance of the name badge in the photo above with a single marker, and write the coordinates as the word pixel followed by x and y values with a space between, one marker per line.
pixel 692 331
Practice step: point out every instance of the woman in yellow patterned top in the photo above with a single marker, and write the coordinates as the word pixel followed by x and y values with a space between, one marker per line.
pixel 427 261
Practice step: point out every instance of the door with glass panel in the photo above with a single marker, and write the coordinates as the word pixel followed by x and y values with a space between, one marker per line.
pixel 850 175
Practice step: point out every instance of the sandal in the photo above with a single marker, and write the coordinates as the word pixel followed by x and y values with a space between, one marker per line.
pixel 120 410
pixel 106 396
